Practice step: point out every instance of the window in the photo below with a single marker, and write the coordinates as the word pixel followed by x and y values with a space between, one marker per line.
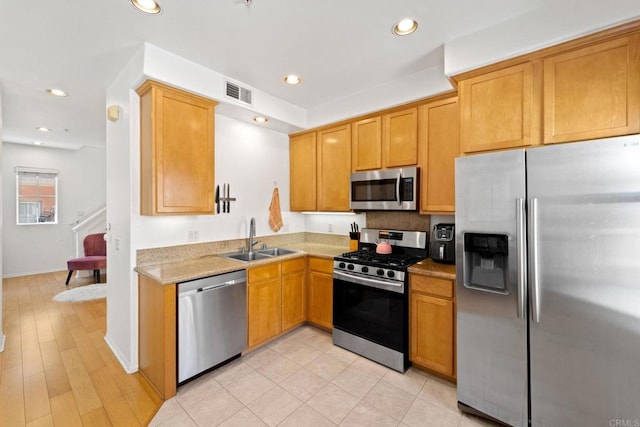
pixel 36 196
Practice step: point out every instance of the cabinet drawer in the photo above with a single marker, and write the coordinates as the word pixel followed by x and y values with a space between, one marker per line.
pixel 432 285
pixel 293 265
pixel 264 272
pixel 321 264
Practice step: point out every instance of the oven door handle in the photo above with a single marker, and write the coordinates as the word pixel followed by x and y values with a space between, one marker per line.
pixel 371 282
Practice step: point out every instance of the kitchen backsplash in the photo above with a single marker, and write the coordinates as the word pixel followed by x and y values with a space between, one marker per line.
pixel 409 221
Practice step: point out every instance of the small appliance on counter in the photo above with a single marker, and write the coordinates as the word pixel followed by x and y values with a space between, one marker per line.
pixel 443 244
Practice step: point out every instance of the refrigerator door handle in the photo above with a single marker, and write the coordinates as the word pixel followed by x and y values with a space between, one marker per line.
pixel 521 243
pixel 534 288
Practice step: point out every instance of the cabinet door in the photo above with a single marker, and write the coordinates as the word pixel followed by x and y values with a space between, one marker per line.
pixel 177 151
pixel 334 168
pixel 302 170
pixel 293 292
pixel 497 109
pixel 366 144
pixel 400 138
pixel 293 299
pixel 263 311
pixel 320 292
pixel 431 332
pixel 593 92
pixel 440 145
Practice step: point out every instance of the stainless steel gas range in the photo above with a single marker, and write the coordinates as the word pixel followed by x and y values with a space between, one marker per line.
pixel 371 298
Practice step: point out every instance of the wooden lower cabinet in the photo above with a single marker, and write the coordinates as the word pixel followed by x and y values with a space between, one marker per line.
pixel 320 292
pixel 275 299
pixel 264 303
pixel 432 324
pixel 294 292
pixel 157 335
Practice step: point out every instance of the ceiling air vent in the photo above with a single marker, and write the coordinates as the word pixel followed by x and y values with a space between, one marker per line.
pixel 238 93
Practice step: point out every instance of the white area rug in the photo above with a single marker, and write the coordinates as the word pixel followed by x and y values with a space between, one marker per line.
pixel 83 293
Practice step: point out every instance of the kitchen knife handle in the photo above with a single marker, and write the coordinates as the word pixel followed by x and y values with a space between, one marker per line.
pixel 534 288
pixel 521 242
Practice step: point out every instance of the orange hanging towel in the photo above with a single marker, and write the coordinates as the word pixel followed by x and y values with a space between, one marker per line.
pixel 275 217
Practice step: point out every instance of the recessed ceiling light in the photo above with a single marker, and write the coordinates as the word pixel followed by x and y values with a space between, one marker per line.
pixel 292 79
pixel 260 119
pixel 405 26
pixel 57 92
pixel 147 6
pixel 37 143
pixel 43 129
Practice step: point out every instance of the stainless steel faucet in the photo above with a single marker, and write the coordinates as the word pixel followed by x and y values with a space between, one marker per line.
pixel 252 235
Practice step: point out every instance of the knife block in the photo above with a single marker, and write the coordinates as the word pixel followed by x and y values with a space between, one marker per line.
pixel 354 240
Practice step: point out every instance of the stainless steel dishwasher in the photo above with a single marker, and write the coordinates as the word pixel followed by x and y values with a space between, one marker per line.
pixel 212 322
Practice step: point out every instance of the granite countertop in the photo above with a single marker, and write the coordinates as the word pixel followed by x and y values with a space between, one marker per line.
pixel 195 268
pixel 431 268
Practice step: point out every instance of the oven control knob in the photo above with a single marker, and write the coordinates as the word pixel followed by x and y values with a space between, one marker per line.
pixel 342 265
pixel 390 273
pixel 350 267
pixel 365 269
pixel 380 272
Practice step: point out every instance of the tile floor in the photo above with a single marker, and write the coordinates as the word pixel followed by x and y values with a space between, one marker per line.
pixel 302 379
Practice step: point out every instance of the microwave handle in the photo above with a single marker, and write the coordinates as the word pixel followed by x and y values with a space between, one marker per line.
pixel 398 187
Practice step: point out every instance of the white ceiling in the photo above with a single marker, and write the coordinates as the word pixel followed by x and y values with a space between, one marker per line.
pixel 339 47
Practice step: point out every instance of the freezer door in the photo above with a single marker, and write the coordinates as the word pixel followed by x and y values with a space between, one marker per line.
pixel 491 314
pixel 585 344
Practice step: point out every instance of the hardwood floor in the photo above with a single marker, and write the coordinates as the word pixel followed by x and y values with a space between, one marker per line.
pixel 56 368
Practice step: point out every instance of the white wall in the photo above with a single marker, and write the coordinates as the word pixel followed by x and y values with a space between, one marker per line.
pixel 44 248
pixel 1 227
pixel 567 20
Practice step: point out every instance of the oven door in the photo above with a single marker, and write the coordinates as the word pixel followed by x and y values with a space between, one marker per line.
pixel 377 315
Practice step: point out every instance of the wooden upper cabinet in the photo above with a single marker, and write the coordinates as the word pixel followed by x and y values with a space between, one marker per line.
pixel 593 92
pixel 302 170
pixel 334 168
pixel 439 146
pixel 366 144
pixel 499 109
pixel 400 138
pixel 176 151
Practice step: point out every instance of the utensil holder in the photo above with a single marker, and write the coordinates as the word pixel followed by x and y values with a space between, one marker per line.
pixel 355 239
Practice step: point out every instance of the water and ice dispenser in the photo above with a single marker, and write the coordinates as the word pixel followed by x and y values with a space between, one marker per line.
pixel 485 262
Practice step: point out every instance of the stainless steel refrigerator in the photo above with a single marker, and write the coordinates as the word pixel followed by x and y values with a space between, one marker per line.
pixel 548 284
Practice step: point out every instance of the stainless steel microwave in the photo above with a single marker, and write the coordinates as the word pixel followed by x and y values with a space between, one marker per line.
pixel 384 190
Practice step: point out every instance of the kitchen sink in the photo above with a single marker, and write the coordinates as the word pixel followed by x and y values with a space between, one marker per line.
pixel 259 254
pixel 276 251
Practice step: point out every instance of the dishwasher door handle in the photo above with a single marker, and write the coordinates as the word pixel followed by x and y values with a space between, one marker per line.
pixel 221 285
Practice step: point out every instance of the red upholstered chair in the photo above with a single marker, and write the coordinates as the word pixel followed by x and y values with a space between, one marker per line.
pixel 95 256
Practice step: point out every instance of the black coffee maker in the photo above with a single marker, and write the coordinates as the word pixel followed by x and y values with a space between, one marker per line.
pixel 442 246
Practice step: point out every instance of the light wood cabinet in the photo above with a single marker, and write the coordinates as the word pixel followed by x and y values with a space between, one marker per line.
pixel 366 144
pixel 320 165
pixel 400 138
pixel 303 172
pixel 264 303
pixel 293 293
pixel 320 292
pixel 432 324
pixel 157 335
pixel 276 299
pixel 334 168
pixel 500 109
pixel 593 92
pixel 439 146
pixel 176 151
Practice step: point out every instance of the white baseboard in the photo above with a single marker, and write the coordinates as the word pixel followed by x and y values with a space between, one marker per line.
pixel 126 365
pixel 85 273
